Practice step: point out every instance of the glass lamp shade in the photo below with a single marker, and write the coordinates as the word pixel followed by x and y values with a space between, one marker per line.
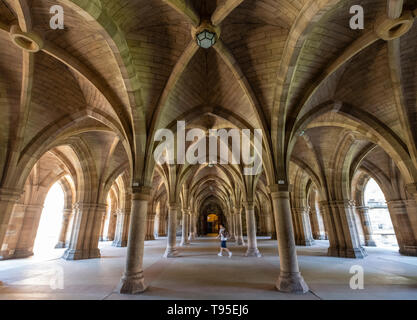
pixel 206 39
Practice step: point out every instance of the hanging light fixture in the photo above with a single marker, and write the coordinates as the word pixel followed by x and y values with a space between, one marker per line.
pixel 206 39
pixel 206 34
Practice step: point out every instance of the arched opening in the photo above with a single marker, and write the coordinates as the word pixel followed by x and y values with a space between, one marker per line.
pixel 381 224
pixel 212 224
pixel 210 219
pixel 105 232
pixel 50 221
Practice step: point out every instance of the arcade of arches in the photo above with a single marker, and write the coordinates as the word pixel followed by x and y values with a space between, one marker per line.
pixel 81 107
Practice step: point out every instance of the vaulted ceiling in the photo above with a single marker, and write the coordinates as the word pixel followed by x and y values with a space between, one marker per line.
pixel 131 67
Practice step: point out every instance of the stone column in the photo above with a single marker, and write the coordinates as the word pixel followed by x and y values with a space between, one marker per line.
pixel 171 250
pixel 185 228
pixel 13 232
pixel 239 231
pixel 132 280
pixel 273 229
pixel 399 212
pixel 64 229
pixel 305 236
pixel 269 227
pixel 363 213
pixel 85 231
pixel 112 225
pixel 122 225
pixel 341 227
pixel 162 232
pixel 290 279
pixel 251 231
pixel 150 224
pixel 315 229
pixel 193 227
pixel 103 222
pixel 232 228
pixel 8 199
pixel 32 216
pixel 317 224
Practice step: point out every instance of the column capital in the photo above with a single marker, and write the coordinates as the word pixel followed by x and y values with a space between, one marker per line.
pixel 362 208
pixel 338 203
pixel 300 210
pixel 142 193
pixel 89 205
pixel 274 188
pixel 10 194
pixel 186 211
pixel 278 194
pixel 249 205
pixel 412 188
pixel 32 206
pixel 173 206
pixel 400 206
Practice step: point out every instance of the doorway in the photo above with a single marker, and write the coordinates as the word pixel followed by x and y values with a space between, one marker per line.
pixel 212 225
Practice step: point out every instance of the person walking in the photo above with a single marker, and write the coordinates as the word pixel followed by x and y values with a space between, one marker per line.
pixel 223 235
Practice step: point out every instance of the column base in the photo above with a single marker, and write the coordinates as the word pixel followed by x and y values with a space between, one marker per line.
pixel 171 253
pixel 5 255
pixel 253 253
pixel 370 243
pixel 119 243
pixel 184 243
pixel 149 237
pixel 132 284
pixel 291 282
pixel 305 243
pixel 71 254
pixel 21 254
pixel 408 250
pixel 240 241
pixel 232 238
pixel 356 253
pixel 60 245
pixel 191 237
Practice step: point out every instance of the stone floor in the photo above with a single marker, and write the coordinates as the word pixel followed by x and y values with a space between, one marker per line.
pixel 200 274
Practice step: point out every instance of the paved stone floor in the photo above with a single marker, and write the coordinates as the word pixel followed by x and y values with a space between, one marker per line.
pixel 200 274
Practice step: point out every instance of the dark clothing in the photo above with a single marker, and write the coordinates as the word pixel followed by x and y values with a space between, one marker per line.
pixel 224 244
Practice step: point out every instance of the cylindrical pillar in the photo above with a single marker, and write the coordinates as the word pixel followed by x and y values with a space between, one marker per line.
pixel 103 222
pixel 112 225
pixel 239 231
pixel 193 227
pixel 122 229
pixel 232 228
pixel 251 231
pixel 185 228
pixel 290 279
pixel 363 213
pixel 64 228
pixel 132 280
pixel 171 250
